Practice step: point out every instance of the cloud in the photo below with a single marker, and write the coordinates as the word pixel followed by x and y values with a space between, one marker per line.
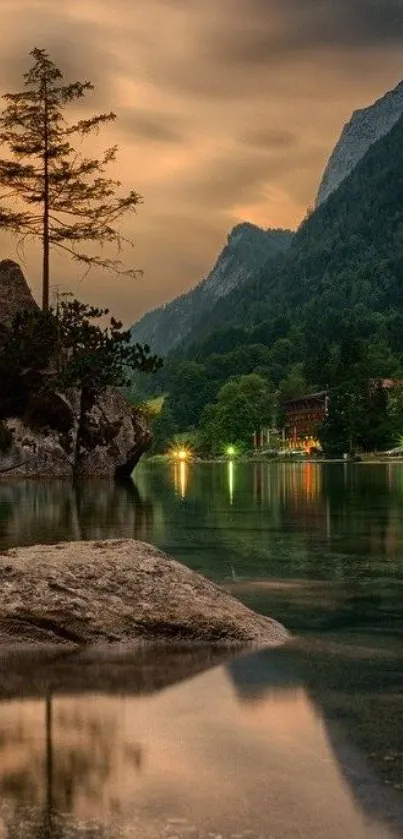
pixel 152 126
pixel 269 138
pixel 226 110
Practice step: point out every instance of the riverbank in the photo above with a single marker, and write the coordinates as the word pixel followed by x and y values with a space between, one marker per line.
pixel 366 458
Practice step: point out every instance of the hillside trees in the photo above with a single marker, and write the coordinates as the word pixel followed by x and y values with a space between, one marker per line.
pixel 50 191
pixel 67 347
pixel 243 406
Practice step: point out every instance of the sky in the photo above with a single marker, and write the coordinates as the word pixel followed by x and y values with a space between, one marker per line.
pixel 227 111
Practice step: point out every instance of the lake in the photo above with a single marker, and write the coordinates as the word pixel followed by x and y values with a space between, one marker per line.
pixel 301 742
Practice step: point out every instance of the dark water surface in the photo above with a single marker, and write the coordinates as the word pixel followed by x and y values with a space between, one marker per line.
pixel 302 742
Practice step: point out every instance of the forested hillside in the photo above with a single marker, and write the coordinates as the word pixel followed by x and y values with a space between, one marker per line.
pixel 248 248
pixel 338 290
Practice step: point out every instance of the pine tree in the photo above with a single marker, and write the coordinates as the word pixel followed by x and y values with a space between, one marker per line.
pixel 50 191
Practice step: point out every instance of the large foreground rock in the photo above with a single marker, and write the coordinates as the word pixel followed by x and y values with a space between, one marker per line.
pixel 84 593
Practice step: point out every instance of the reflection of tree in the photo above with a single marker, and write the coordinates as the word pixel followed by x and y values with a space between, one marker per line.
pixel 35 512
pixel 46 777
pixel 65 745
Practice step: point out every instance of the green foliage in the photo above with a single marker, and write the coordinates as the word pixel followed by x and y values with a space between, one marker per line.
pixel 45 351
pixel 26 350
pixel 362 414
pixel 164 429
pixel 328 314
pixel 293 385
pixel 243 405
pixel 94 356
pixel 358 419
pixel 191 387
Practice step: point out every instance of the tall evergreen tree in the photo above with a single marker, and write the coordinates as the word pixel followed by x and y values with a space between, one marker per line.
pixel 50 191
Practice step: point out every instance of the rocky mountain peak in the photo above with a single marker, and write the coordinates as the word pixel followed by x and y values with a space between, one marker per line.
pixel 244 228
pixel 247 249
pixel 366 126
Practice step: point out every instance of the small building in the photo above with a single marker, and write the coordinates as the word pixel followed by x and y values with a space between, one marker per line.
pixel 303 416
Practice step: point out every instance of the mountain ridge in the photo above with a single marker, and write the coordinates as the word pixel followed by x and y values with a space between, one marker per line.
pixel 247 248
pixel 364 128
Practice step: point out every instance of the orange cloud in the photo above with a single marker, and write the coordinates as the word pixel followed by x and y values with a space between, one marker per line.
pixel 225 111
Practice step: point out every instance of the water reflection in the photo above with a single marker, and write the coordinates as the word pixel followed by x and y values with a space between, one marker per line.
pixel 239 751
pixel 181 473
pixel 231 481
pixel 339 524
pixel 33 512
pixel 310 519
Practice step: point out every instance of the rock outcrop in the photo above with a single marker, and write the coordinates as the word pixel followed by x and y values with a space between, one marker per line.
pixel 112 436
pixel 71 436
pixel 15 295
pixel 68 434
pixel 248 248
pixel 119 591
pixel 365 127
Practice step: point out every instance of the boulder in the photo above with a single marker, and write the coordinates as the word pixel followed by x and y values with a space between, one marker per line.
pixel 15 295
pixel 65 435
pixel 36 454
pixel 112 436
pixel 119 591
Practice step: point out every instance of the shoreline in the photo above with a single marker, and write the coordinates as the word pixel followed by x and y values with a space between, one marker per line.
pixel 364 460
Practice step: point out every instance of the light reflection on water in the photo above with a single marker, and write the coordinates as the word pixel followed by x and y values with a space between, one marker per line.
pixel 204 758
pixel 319 547
pixel 336 508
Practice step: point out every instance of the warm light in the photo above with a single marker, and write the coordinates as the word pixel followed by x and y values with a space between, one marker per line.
pixel 231 451
pixel 183 477
pixel 181 454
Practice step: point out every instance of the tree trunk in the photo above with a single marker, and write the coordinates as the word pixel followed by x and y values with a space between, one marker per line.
pixel 45 237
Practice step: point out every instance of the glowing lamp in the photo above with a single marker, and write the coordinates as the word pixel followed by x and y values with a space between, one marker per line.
pixel 231 451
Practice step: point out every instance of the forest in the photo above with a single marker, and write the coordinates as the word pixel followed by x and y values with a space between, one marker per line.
pixel 326 314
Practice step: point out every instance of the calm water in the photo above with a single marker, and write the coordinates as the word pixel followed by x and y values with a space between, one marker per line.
pixel 303 742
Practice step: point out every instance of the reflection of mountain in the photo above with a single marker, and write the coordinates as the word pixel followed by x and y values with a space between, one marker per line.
pixel 189 761
pixel 33 512
pixel 257 675
pixel 350 689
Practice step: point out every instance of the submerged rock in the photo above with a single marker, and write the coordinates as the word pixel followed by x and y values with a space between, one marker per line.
pixel 83 593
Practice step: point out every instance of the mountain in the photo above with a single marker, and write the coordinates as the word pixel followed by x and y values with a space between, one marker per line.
pixel 347 255
pixel 365 127
pixel 248 248
pixel 336 292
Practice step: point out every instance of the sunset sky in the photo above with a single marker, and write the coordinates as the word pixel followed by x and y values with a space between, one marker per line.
pixel 227 111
